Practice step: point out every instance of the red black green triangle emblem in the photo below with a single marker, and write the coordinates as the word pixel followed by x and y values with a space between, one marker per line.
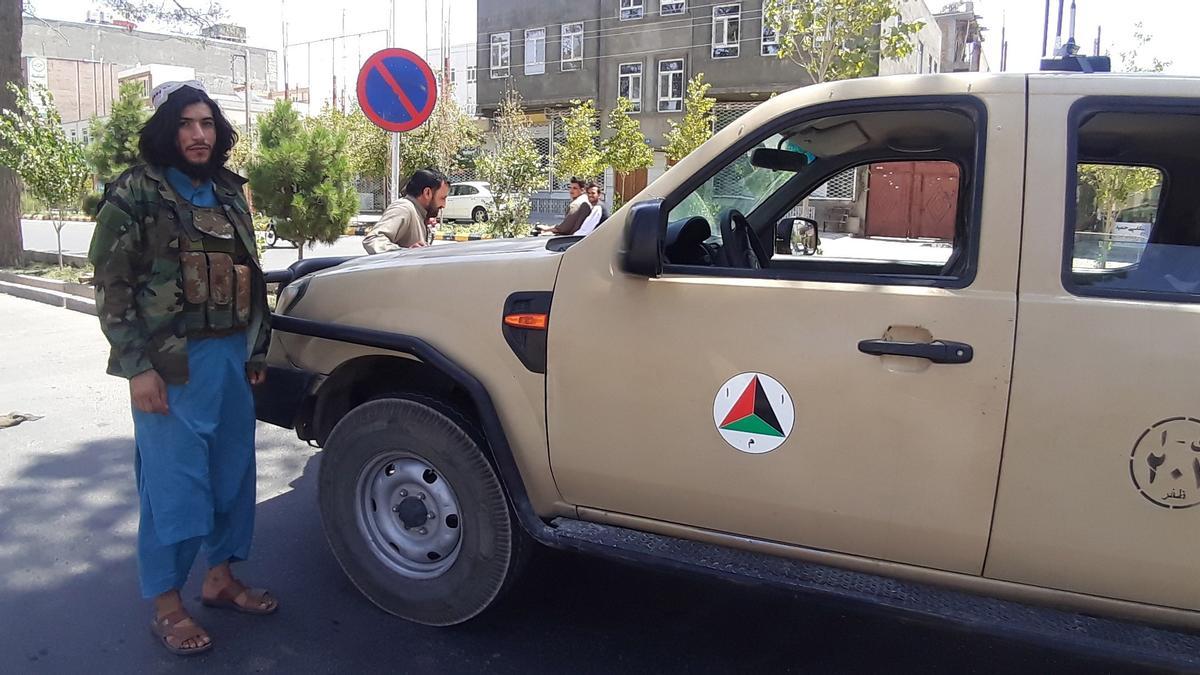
pixel 752 413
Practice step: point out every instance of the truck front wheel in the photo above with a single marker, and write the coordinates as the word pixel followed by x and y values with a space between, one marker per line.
pixel 414 513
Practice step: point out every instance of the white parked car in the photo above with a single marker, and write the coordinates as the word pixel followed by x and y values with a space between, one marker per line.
pixel 469 201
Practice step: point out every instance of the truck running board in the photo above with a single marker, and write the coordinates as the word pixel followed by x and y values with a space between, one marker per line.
pixel 1130 643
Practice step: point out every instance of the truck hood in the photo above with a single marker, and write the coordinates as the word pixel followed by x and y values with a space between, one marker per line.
pixel 453 253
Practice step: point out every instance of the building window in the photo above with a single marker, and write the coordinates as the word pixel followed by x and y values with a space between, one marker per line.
pixel 670 85
pixel 671 7
pixel 535 51
pixel 726 31
pixel 572 46
pixel 471 75
pixel 499 61
pixel 629 84
pixel 631 9
pixel 770 41
pixel 453 76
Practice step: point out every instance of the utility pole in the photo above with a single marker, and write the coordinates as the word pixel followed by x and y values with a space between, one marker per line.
pixel 247 91
pixel 283 29
pixel 1058 31
pixel 1097 52
pixel 1046 29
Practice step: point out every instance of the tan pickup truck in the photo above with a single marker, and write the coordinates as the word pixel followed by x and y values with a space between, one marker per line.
pixel 925 343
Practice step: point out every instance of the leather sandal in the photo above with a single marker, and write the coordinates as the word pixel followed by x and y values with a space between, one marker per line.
pixel 248 600
pixel 181 628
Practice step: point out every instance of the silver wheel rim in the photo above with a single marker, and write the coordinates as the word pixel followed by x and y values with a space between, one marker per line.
pixel 480 216
pixel 271 238
pixel 409 515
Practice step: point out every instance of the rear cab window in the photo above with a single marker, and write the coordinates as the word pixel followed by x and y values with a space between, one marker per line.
pixel 1133 225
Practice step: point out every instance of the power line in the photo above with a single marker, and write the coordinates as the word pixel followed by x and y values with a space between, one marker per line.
pixel 630 22
pixel 657 28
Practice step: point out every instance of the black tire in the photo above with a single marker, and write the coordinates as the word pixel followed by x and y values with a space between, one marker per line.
pixel 271 238
pixel 479 215
pixel 492 547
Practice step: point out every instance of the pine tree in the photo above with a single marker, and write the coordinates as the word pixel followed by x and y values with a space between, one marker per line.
pixel 626 149
pixel 301 178
pixel 578 156
pixel 698 119
pixel 115 144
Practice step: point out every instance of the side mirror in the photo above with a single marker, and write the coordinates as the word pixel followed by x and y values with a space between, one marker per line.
pixel 797 236
pixel 644 239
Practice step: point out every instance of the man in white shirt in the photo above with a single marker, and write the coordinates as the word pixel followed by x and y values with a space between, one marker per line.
pixel 598 214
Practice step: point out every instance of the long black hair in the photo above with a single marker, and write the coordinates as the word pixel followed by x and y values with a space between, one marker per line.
pixel 158 141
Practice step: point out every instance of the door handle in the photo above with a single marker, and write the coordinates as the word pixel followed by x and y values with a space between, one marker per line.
pixel 938 351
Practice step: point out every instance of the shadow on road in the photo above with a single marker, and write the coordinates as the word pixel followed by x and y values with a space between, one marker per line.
pixel 69 596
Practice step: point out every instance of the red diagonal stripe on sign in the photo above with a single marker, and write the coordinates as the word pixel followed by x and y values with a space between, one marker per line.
pixel 391 82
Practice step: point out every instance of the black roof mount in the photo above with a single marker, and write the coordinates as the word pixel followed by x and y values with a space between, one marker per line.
pixel 1079 64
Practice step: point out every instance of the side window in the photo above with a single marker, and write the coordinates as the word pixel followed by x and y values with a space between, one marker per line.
pixel 467 190
pixel 910 213
pixel 1130 234
pixel 871 197
pixel 455 190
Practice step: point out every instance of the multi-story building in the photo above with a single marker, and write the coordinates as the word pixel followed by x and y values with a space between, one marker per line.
pixel 645 50
pixel 83 64
pixel 962 42
pixel 460 64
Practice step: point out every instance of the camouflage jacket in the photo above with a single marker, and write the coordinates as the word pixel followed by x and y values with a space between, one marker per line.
pixel 139 286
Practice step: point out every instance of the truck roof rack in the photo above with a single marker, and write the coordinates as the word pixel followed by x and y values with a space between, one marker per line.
pixel 1079 64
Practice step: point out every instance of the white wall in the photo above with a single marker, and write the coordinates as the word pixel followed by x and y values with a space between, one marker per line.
pixel 927 43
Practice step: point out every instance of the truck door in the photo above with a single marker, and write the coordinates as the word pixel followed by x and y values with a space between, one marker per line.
pixel 1100 485
pixel 778 403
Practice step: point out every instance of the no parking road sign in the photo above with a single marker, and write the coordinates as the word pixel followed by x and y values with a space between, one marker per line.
pixel 396 90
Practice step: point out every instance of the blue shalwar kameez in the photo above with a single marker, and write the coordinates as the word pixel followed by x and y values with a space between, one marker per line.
pixel 195 466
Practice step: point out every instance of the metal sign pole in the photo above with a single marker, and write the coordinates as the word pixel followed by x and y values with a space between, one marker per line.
pixel 394 183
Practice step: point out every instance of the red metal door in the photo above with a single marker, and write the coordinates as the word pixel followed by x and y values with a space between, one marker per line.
pixel 912 199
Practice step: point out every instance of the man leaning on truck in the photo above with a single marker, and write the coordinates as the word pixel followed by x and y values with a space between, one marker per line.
pixel 405 222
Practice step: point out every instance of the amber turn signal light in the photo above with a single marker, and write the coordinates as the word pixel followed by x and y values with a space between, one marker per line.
pixel 527 321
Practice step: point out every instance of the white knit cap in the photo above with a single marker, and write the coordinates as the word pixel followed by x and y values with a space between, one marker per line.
pixel 163 91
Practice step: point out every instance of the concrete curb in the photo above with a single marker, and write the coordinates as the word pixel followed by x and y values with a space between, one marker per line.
pixel 72 296
pixel 51 258
pixel 65 219
pixel 462 237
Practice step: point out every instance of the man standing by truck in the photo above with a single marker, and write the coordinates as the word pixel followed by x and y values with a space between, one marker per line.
pixel 406 222
pixel 182 300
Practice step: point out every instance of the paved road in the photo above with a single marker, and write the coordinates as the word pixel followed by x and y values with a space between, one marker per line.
pixel 68 593
pixel 39 235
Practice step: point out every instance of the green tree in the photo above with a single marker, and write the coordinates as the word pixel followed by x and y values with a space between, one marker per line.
pixel 1113 187
pixel 1130 61
pixel 626 149
pixel 301 178
pixel 366 144
pixel 579 156
pixel 441 139
pixel 114 146
pixel 698 120
pixel 839 39
pixel 33 144
pixel 513 167
pixel 180 16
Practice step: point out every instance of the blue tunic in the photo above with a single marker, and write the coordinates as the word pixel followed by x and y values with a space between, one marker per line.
pixel 195 466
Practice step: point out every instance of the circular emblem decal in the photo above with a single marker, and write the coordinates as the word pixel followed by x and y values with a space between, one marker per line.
pixel 1165 463
pixel 753 413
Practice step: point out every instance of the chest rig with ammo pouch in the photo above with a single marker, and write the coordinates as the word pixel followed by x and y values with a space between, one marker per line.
pixel 216 271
